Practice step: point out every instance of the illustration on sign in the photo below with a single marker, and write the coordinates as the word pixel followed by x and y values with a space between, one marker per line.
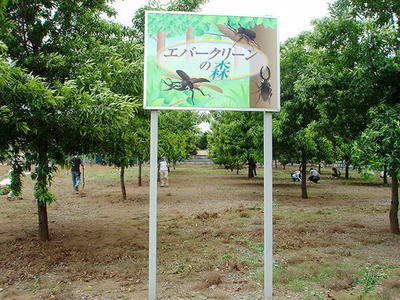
pixel 195 61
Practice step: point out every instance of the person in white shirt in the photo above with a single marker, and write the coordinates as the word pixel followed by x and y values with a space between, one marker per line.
pixel 296 175
pixel 164 171
pixel 314 175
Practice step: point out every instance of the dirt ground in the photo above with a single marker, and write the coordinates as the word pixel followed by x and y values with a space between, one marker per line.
pixel 334 245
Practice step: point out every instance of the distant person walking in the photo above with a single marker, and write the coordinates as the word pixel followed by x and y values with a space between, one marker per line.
pixel 314 175
pixel 164 171
pixel 75 172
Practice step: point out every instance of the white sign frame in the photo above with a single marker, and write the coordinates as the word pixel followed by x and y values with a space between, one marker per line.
pixel 268 195
pixel 275 77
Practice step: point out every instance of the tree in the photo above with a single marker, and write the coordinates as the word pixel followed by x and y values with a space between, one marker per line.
pixel 49 39
pixel 178 131
pixel 297 126
pixel 47 124
pixel 45 37
pixel 379 145
pixel 358 68
pixel 115 67
pixel 202 141
pixel 236 138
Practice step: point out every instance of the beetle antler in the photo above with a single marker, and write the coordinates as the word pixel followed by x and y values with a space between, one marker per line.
pixel 269 73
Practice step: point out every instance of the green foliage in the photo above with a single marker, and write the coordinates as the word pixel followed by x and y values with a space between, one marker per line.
pixel 202 141
pixel 236 138
pixel 16 183
pixel 358 67
pixel 47 124
pixel 371 275
pixel 379 144
pixel 46 36
pixel 297 128
pixel 178 131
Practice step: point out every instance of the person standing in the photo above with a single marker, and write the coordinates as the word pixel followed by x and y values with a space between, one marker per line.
pixel 75 172
pixel 164 171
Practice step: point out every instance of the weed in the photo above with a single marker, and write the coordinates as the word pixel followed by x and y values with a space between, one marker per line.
pixel 371 275
pixel 53 286
pixel 297 285
pixel 317 295
pixel 182 269
pixel 255 207
pixel 226 257
pixel 256 246
pixel 257 276
pixel 131 288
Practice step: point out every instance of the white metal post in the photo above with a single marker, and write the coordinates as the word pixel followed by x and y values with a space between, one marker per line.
pixel 153 206
pixel 268 204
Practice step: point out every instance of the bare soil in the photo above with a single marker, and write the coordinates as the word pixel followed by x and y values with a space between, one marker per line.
pixel 334 245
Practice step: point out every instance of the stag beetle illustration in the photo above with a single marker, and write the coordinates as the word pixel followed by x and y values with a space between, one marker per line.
pixel 243 33
pixel 264 90
pixel 188 84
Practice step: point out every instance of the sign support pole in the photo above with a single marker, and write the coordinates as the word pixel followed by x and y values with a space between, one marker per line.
pixel 153 206
pixel 268 204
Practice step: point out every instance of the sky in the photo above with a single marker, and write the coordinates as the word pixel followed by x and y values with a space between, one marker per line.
pixel 294 15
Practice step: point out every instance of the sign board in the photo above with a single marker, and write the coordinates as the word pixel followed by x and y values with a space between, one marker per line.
pixel 211 62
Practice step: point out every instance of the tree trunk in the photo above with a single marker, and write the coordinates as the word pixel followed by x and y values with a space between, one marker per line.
pixel 140 172
pixel 250 173
pixel 334 153
pixel 303 175
pixel 122 181
pixel 385 175
pixel 42 207
pixel 276 164
pixel 319 168
pixel 43 223
pixel 394 206
pixel 347 170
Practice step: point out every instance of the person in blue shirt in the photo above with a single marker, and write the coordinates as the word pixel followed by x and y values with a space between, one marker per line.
pixel 75 172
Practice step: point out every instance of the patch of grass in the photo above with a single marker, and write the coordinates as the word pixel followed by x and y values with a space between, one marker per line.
pixel 181 268
pixel 257 247
pixel 316 295
pixel 53 286
pixel 226 256
pixel 297 285
pixel 257 276
pixel 306 274
pixel 280 174
pixel 371 275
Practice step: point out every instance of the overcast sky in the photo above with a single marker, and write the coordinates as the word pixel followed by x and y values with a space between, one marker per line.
pixel 294 15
